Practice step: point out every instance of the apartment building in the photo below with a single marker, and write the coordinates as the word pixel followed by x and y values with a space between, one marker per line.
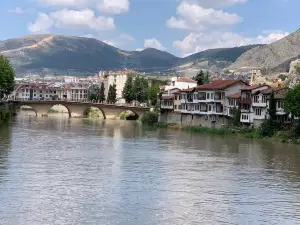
pixel 210 100
pixel 50 91
pixel 118 78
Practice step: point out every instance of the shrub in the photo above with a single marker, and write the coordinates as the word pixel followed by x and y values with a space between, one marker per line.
pixel 268 128
pixel 150 118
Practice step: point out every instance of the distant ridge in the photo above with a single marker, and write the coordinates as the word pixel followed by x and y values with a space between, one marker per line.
pixel 70 55
pixel 275 56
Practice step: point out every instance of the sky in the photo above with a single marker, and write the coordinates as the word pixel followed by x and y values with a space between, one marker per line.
pixel 181 27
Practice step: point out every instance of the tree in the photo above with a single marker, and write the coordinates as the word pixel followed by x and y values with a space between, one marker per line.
pixel 153 91
pixel 7 77
pixel 102 93
pixel 272 107
pixel 128 94
pixel 199 78
pixel 292 101
pixel 140 89
pixel 206 78
pixel 112 94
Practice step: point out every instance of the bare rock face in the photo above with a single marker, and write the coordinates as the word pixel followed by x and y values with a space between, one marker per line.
pixel 276 55
pixel 294 65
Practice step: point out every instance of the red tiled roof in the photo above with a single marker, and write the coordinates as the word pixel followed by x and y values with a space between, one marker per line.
pixel 218 84
pixel 236 95
pixel 186 80
pixel 250 88
pixel 269 90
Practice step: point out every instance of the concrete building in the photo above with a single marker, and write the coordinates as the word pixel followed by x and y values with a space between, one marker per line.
pixel 50 91
pixel 119 78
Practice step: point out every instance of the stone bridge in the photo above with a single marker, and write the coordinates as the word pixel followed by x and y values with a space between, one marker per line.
pixel 41 108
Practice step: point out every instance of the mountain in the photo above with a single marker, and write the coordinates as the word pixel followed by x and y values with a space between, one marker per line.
pixel 69 55
pixel 275 57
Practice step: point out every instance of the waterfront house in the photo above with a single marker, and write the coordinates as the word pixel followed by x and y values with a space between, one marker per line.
pixel 210 102
pixel 253 104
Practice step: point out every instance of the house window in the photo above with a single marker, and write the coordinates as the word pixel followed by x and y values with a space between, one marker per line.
pixel 279 104
pixel 264 99
pixel 256 98
pixel 175 97
pixel 209 108
pixel 207 95
pixel 179 107
pixel 175 106
pixel 258 112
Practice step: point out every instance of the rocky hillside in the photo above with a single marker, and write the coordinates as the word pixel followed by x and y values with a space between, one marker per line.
pixel 276 56
pixel 57 54
pixel 77 55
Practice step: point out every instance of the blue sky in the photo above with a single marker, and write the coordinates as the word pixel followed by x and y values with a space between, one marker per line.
pixel 181 27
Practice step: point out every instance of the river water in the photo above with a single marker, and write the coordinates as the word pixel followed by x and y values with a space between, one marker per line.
pixel 73 171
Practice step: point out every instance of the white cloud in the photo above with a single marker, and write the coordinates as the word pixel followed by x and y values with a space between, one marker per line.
pixel 65 3
pixel 154 43
pixel 42 24
pixel 114 6
pixel 140 49
pixel 109 42
pixel 84 18
pixel 106 6
pixel 196 42
pixel 64 18
pixel 218 3
pixel 194 17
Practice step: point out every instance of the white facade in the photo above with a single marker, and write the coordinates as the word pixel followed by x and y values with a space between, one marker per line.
pixel 208 100
pixel 254 106
pixel 181 83
pixel 119 80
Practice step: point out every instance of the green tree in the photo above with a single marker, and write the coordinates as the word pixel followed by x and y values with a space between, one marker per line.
pixel 272 107
pixel 102 93
pixel 292 101
pixel 207 78
pixel 140 89
pixel 112 94
pixel 128 94
pixel 7 77
pixel 153 91
pixel 200 78
pixel 236 117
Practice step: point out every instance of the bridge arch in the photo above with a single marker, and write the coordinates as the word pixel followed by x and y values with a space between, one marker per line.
pixel 25 107
pixel 94 109
pixel 63 105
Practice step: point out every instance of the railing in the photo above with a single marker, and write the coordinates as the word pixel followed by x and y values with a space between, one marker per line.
pixel 82 101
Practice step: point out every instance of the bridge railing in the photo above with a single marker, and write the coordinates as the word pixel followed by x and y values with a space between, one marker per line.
pixel 82 101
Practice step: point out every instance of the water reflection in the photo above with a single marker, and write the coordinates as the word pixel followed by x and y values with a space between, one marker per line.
pixel 73 171
pixel 5 146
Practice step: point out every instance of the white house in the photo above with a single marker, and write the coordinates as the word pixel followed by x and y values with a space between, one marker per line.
pixel 211 99
pixel 181 83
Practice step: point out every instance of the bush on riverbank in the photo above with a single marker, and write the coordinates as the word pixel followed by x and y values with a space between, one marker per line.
pixel 128 115
pixel 5 115
pixel 149 118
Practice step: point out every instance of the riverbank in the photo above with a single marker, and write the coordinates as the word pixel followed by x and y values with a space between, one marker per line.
pixel 280 136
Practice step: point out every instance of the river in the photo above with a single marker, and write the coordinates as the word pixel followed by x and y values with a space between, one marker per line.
pixel 73 171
